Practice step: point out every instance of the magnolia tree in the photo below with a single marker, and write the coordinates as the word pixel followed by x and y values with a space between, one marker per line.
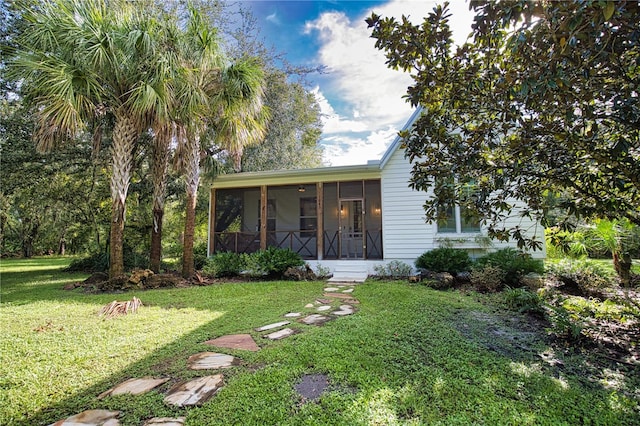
pixel 542 99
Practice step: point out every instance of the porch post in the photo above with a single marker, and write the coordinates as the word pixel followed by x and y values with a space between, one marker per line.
pixel 320 221
pixel 212 223
pixel 263 217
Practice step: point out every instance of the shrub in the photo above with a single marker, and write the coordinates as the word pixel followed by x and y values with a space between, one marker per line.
pixel 523 300
pixel 445 259
pixel 564 324
pixel 272 262
pixel 489 278
pixel 224 264
pixel 96 262
pixel 322 271
pixel 200 256
pixel 514 263
pixel 587 276
pixel 395 269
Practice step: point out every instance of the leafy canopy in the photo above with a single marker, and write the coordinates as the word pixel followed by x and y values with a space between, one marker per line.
pixel 543 97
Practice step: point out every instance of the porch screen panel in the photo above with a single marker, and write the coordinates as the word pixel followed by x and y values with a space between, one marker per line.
pixel 330 220
pixel 373 219
pixel 236 227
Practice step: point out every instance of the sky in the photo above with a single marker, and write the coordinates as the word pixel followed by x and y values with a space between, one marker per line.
pixel 360 98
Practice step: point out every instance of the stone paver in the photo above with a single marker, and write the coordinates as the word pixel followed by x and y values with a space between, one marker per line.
pixel 315 319
pixel 324 301
pixel 194 392
pixel 338 295
pixel 91 418
pixel 133 387
pixel 165 421
pixel 280 334
pixel 323 308
pixel 329 289
pixel 210 360
pixel 293 315
pixel 272 326
pixel 235 341
pixel 309 305
pixel 349 290
pixel 344 310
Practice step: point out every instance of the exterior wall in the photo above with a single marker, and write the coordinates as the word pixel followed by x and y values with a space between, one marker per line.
pixel 405 233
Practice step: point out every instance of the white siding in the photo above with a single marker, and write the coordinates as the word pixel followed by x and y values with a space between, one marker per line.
pixel 406 235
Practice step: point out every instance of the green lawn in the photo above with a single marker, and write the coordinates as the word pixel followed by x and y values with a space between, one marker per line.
pixel 408 356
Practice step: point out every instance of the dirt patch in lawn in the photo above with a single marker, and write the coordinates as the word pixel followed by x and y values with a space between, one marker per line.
pixel 514 336
pixel 524 338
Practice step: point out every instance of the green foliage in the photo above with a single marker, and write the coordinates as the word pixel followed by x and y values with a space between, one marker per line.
pixel 564 324
pixel 522 300
pixel 226 264
pixel 586 274
pixel 395 269
pixel 96 262
pixel 322 271
pixel 514 263
pixel 488 278
pixel 541 98
pixel 272 262
pixel 200 255
pixel 445 259
pixel 389 363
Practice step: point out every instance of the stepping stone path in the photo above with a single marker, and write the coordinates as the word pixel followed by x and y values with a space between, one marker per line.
pixel 197 391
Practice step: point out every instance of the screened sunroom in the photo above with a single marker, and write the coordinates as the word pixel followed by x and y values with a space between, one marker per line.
pixel 326 213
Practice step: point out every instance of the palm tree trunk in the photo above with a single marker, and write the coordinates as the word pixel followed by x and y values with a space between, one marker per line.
pixel 160 163
pixel 192 176
pixel 124 138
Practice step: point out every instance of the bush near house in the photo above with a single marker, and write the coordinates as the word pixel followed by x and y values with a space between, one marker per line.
pixel 445 259
pixel 515 264
pixel 270 263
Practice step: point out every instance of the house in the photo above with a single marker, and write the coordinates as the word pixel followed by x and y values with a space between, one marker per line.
pixel 352 217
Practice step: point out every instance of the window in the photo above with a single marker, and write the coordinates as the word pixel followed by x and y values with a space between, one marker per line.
pixel 455 218
pixel 308 217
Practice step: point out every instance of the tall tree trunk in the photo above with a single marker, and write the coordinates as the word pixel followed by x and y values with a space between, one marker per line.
pixel 125 133
pixel 161 141
pixel 192 177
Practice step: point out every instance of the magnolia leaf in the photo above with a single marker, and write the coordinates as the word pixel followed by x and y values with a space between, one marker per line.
pixel 608 10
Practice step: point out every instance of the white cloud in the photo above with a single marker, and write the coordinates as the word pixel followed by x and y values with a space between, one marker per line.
pixel 366 96
pixel 273 18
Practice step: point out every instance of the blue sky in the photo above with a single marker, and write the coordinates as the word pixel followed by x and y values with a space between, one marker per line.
pixel 361 99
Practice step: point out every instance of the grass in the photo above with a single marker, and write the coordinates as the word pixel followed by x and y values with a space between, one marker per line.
pixel 404 358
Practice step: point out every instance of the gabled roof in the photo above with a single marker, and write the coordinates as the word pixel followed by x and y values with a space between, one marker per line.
pixel 398 141
pixel 371 170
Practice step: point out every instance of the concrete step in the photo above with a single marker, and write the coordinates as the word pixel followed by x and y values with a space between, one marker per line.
pixel 348 277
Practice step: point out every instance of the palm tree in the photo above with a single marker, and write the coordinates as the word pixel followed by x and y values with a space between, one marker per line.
pixel 82 58
pixel 242 116
pixel 162 134
pixel 213 98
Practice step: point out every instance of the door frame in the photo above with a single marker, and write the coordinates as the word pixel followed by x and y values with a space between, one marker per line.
pixel 351 236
